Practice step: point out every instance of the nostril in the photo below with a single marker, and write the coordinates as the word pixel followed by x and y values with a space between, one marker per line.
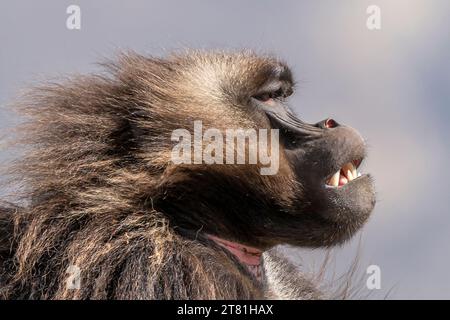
pixel 330 123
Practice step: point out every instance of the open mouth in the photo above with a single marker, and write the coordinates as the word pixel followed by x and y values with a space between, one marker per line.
pixel 345 174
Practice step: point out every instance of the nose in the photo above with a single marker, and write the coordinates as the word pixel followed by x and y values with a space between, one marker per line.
pixel 327 124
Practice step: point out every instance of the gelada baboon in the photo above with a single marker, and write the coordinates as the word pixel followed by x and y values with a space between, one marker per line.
pixel 101 197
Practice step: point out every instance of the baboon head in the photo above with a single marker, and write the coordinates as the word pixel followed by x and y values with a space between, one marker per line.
pixel 316 197
pixel 107 143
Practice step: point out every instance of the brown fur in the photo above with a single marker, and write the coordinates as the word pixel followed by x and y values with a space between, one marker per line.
pixel 99 190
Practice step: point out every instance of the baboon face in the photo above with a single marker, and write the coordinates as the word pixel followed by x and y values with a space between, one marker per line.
pixel 317 197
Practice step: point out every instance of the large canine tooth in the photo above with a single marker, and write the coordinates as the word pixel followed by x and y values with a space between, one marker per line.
pixel 349 175
pixel 349 171
pixel 334 180
pixel 343 180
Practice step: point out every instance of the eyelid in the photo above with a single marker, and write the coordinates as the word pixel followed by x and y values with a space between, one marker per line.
pixel 273 87
pixel 267 95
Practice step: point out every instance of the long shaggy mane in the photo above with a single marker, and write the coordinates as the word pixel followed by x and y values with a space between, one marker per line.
pixel 87 193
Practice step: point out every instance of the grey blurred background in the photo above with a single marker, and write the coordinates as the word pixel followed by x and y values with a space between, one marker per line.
pixel 392 84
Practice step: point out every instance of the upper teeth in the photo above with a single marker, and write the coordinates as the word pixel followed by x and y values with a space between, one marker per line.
pixel 346 174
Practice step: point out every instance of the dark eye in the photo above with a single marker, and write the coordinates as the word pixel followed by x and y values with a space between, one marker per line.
pixel 263 97
pixel 267 96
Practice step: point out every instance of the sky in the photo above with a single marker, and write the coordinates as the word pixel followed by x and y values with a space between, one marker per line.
pixel 392 84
